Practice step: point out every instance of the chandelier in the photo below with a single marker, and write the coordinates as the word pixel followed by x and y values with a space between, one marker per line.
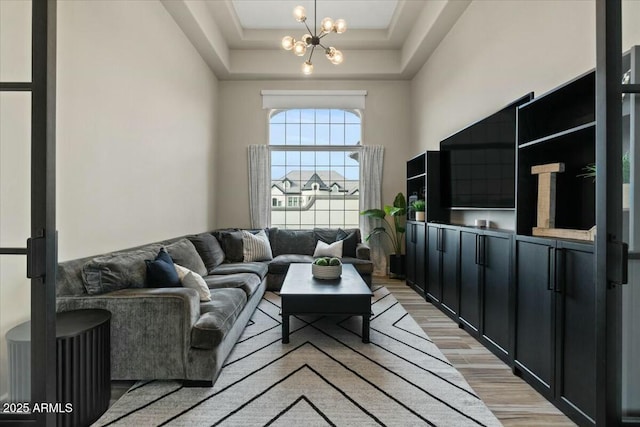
pixel 313 39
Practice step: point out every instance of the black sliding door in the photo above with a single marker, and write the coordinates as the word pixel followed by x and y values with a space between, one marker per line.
pixel 28 256
pixel 618 214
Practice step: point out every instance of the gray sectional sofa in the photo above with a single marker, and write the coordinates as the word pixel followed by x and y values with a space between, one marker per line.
pixel 168 333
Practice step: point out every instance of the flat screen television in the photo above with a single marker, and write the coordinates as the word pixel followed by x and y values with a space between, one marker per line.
pixel 479 162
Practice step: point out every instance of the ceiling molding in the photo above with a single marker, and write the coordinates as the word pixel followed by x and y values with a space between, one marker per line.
pixel 235 53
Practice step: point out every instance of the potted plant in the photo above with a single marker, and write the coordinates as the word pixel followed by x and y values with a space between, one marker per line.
pixel 419 206
pixel 393 229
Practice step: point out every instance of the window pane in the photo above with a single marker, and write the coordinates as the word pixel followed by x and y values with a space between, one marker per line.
pixel 337 134
pixel 337 116
pixel 322 135
pixel 276 134
pixel 337 158
pixel 277 158
pixel 352 134
pixel 308 158
pixel 307 116
pixel 293 134
pixel 323 116
pixel 278 172
pixel 293 158
pixel 323 158
pixel 293 116
pixel 307 136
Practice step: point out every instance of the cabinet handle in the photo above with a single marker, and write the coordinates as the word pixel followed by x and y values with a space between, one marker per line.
pixel 482 250
pixel 549 267
pixel 441 239
pixel 438 239
pixel 560 271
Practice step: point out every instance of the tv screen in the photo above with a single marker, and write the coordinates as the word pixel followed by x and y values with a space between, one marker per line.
pixel 478 162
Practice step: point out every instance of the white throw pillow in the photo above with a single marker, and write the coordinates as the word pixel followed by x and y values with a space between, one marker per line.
pixel 256 247
pixel 191 279
pixel 332 250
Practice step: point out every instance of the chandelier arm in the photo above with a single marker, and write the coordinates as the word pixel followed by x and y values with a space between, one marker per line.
pixel 323 35
pixel 322 46
pixel 315 17
pixel 311 54
pixel 305 24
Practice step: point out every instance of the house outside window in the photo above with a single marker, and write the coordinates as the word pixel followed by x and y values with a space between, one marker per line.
pixel 314 168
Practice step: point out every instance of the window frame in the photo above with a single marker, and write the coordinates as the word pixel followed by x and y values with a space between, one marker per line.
pixel 314 148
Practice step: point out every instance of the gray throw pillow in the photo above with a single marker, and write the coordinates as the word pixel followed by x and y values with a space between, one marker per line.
pixel 231 242
pixel 185 254
pixel 209 249
pixel 111 272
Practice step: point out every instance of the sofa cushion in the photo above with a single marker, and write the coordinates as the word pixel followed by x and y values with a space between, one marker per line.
pixel 161 273
pixel 209 249
pixel 256 247
pixel 258 268
pixel 301 242
pixel 231 242
pixel 117 271
pixel 248 282
pixel 280 264
pixel 350 242
pixel 185 254
pixel 362 266
pixel 217 317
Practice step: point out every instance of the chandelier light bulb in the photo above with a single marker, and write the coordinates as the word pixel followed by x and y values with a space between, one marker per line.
pixel 327 25
pixel 307 68
pixel 340 26
pixel 299 48
pixel 337 57
pixel 300 14
pixel 330 52
pixel 287 42
pixel 306 39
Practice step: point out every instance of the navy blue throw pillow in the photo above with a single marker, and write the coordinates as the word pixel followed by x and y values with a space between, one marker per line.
pixel 161 273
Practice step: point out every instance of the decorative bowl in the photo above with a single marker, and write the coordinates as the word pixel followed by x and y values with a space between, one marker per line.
pixel 326 272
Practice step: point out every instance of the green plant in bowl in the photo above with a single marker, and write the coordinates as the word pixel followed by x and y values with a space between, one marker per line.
pixel 419 205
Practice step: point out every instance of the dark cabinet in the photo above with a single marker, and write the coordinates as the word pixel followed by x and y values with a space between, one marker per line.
pixel 485 277
pixel 442 266
pixel 470 279
pixel 555 323
pixel 534 312
pixel 496 285
pixel 415 259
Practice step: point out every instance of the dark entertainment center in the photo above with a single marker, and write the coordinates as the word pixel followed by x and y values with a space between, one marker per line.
pixel 530 300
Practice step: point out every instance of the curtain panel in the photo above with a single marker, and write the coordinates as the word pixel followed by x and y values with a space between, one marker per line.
pixel 259 188
pixel 371 162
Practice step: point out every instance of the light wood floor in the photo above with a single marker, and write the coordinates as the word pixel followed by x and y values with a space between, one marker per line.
pixel 512 400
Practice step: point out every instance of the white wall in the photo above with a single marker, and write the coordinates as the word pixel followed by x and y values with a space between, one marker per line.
pixel 497 51
pixel 244 122
pixel 137 114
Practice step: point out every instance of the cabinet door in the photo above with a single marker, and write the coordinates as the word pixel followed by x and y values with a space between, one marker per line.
pixel 496 262
pixel 434 267
pixel 534 349
pixel 411 253
pixel 470 278
pixel 449 248
pixel 420 248
pixel 576 314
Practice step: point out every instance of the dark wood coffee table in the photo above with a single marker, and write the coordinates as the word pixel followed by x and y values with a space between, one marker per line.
pixel 301 293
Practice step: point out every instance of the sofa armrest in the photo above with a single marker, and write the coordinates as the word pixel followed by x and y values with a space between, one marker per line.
pixel 363 251
pixel 150 328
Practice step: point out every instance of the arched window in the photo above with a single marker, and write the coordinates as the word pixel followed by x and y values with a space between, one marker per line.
pixel 313 149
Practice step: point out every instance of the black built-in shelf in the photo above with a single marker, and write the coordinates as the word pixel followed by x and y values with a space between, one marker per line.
pixel 558 127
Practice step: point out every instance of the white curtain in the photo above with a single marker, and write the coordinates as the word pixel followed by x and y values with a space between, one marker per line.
pixel 371 162
pixel 259 186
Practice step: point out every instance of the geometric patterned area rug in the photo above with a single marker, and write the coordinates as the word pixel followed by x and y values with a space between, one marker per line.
pixel 325 376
